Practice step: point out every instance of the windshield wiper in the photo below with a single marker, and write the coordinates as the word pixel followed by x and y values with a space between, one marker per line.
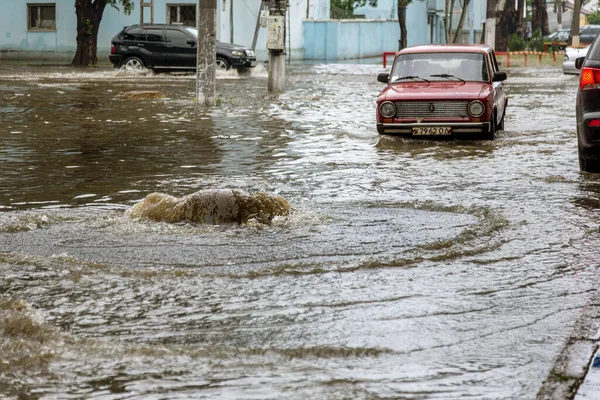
pixel 447 76
pixel 410 77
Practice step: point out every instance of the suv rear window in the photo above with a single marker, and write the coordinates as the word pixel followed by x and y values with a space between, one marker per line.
pixel 132 34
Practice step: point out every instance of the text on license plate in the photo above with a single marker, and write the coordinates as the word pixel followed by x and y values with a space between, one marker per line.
pixel 431 131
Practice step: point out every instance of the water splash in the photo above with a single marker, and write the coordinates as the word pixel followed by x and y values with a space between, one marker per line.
pixel 211 206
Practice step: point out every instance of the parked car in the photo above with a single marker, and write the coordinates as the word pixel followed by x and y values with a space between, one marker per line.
pixel 443 91
pixel 571 54
pixel 587 109
pixel 171 47
pixel 588 33
pixel 561 35
pixel 558 40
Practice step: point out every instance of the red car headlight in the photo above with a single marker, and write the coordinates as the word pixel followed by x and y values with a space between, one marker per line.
pixel 476 108
pixel 387 109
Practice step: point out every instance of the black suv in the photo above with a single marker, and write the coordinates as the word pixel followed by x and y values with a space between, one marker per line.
pixel 162 46
pixel 587 109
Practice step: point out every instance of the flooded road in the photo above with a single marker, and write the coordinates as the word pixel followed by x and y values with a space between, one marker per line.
pixel 405 268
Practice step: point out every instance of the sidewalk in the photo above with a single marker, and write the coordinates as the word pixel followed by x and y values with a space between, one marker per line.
pixel 590 388
pixel 576 373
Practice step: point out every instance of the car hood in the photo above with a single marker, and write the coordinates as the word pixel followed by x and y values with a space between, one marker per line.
pixel 230 46
pixel 436 91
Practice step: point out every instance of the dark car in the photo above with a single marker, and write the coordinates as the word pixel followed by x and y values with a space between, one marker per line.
pixel 443 91
pixel 558 39
pixel 561 35
pixel 588 33
pixel 171 47
pixel 587 109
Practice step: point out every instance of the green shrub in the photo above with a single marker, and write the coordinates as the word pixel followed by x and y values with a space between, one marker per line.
pixel 536 43
pixel 516 43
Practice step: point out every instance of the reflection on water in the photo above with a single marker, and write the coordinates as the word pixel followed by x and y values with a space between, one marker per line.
pixel 412 269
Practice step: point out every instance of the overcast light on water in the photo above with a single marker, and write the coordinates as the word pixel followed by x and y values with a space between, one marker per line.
pixel 406 268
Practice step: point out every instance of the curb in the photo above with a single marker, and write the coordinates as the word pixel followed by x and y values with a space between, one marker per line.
pixel 573 363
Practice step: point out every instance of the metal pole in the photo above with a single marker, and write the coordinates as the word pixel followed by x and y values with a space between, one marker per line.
pixel 257 26
pixel 207 53
pixel 231 22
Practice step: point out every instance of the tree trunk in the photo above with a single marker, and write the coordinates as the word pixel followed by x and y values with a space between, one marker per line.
pixel 490 14
pixel 449 13
pixel 461 21
pixel 574 34
pixel 506 24
pixel 544 15
pixel 89 16
pixel 520 10
pixel 539 17
pixel 402 43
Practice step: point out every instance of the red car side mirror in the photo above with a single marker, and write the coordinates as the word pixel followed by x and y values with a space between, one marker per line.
pixel 383 77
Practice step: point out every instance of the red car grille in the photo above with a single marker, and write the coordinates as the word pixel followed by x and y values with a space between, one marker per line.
pixel 431 109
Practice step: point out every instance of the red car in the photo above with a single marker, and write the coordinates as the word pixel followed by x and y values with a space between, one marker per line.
pixel 443 91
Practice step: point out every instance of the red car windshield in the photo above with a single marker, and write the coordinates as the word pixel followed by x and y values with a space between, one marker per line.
pixel 440 67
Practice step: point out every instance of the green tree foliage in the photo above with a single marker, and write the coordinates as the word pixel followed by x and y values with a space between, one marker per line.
pixel 344 9
pixel 594 17
pixel 126 4
pixel 516 43
pixel 536 43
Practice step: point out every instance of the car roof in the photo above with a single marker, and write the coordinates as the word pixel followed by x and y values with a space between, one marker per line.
pixel 159 26
pixel 447 48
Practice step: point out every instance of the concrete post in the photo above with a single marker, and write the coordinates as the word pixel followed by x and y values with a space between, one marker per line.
pixel 276 45
pixel 490 32
pixel 207 53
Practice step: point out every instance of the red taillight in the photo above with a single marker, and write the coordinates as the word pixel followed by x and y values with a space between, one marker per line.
pixel 594 123
pixel 589 79
pixel 112 49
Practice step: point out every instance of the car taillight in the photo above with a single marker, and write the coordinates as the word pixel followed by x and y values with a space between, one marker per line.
pixel 589 79
pixel 112 49
pixel 594 123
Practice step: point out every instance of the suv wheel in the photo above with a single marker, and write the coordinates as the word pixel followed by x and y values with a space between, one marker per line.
pixel 134 63
pixel 222 64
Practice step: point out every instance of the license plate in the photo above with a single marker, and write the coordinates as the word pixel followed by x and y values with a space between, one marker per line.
pixel 431 131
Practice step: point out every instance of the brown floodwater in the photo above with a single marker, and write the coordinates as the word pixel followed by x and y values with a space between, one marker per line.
pixel 404 269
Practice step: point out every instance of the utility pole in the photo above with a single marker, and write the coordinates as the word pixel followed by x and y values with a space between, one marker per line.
pixel 276 44
pixel 207 52
pixel 575 24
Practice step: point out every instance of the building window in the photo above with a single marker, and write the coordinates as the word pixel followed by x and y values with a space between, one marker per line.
pixel 181 14
pixel 41 17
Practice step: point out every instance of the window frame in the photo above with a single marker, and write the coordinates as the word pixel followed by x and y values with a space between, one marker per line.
pixel 178 6
pixel 38 6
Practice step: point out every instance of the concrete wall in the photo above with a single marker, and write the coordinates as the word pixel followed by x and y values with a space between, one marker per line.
pixel 349 39
pixel 359 38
